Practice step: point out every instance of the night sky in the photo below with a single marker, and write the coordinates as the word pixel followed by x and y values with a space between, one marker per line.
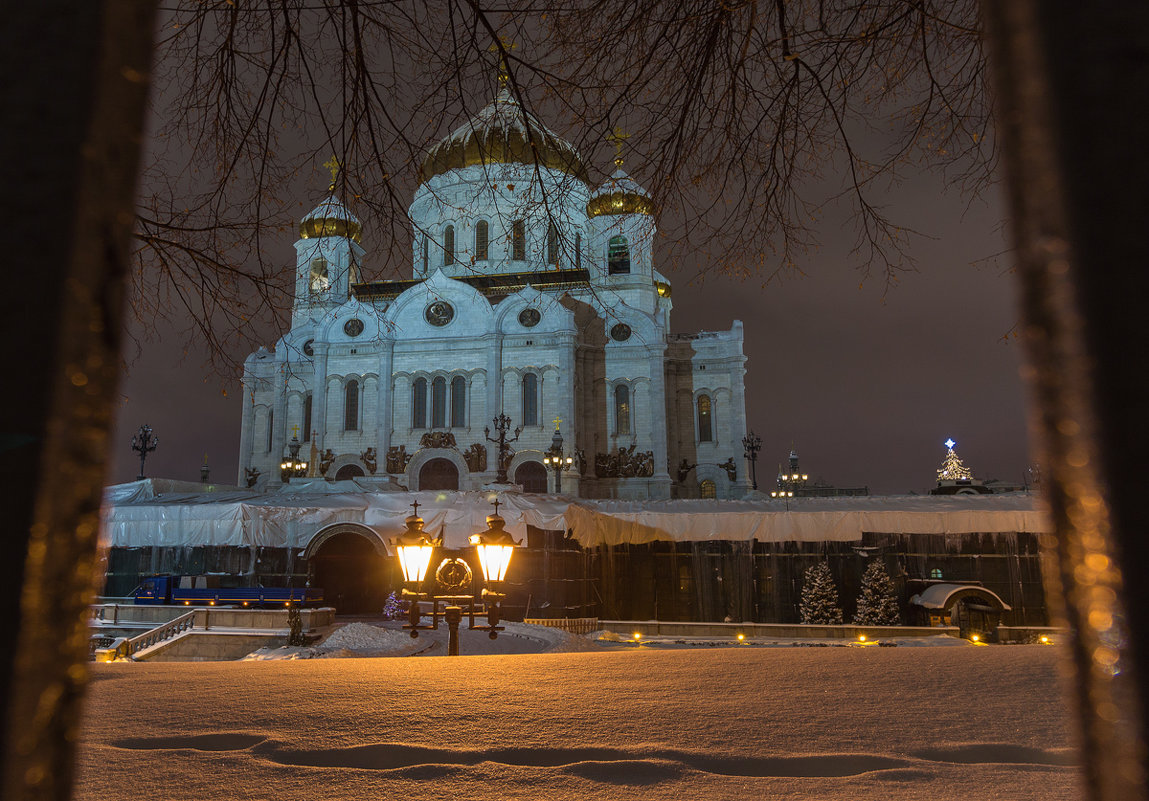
pixel 865 381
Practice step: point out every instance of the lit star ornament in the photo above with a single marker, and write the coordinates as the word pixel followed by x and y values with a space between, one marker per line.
pixel 949 443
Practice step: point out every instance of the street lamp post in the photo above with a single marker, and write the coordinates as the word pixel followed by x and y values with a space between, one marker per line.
pixel 502 425
pixel 556 460
pixel 144 442
pixel 751 444
pixel 492 549
pixel 292 466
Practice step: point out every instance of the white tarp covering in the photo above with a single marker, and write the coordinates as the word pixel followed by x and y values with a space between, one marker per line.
pixel 803 519
pixel 155 513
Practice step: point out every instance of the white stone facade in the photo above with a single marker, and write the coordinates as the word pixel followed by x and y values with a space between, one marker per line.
pixel 526 301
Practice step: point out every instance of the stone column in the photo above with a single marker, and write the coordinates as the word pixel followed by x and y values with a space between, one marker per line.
pixel 385 408
pixel 495 378
pixel 657 411
pixel 319 398
pixel 279 421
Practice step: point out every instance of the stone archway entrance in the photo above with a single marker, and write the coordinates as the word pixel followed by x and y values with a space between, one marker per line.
pixel 533 477
pixel 439 474
pixel 349 562
pixel 349 471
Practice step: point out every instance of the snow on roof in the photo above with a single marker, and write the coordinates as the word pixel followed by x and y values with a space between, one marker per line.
pixel 936 596
pixel 159 513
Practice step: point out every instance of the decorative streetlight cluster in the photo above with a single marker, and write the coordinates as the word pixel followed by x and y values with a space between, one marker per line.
pixel 292 466
pixel 502 425
pixel 452 582
pixel 144 442
pixel 790 481
pixel 556 460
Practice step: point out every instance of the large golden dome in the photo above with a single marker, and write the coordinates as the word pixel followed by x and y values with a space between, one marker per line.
pixel 330 218
pixel 499 135
pixel 619 194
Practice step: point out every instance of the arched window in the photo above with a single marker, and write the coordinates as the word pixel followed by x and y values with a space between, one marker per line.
pixel 519 240
pixel 426 252
pixel 320 280
pixel 936 573
pixel 448 245
pixel 530 399
pixel 707 489
pixel 351 406
pixel 622 409
pixel 482 239
pixel 270 427
pixel 552 245
pixel 419 403
pixel 307 417
pixel 458 402
pixel 705 430
pixel 439 403
pixel 578 250
pixel 617 256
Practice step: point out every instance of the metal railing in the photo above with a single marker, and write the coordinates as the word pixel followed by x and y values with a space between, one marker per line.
pixel 574 625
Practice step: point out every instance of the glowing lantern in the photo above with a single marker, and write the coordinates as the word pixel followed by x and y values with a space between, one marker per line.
pixel 414 548
pixel 495 547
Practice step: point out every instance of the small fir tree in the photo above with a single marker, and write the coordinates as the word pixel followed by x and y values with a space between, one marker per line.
pixel 952 468
pixel 391 609
pixel 820 596
pixel 877 604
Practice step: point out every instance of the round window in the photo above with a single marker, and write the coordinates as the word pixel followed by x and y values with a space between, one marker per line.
pixel 353 327
pixel 309 347
pixel 529 318
pixel 439 313
pixel 621 332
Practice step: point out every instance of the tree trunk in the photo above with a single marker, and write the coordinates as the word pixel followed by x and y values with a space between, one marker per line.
pixel 1071 82
pixel 74 97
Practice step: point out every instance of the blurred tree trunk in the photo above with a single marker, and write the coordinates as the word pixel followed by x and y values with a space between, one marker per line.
pixel 1071 81
pixel 74 95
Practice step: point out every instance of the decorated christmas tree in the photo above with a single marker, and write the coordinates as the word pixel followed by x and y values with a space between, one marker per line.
pixel 391 609
pixel 952 467
pixel 877 604
pixel 820 596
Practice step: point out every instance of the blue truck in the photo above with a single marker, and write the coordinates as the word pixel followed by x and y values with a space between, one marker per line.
pixel 206 591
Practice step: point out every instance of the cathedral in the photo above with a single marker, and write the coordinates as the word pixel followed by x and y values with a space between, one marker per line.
pixel 534 298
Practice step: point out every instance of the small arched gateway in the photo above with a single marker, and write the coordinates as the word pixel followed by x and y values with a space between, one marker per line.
pixel 532 476
pixel 439 474
pixel 973 609
pixel 349 562
pixel 349 471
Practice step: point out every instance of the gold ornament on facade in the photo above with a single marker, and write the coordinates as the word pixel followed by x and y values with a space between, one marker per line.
pixel 663 289
pixel 397 459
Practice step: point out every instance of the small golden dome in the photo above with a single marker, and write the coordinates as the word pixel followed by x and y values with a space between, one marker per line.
pixel 498 135
pixel 620 195
pixel 330 218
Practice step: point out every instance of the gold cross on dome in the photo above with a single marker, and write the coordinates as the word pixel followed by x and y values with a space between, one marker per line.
pixel 504 70
pixel 333 166
pixel 415 506
pixel 557 420
pixel 294 430
pixel 496 504
pixel 617 137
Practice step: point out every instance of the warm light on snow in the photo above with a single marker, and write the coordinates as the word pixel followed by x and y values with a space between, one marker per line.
pixel 619 725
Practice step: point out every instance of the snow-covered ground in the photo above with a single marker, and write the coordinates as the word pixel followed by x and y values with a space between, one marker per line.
pixel 622 723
